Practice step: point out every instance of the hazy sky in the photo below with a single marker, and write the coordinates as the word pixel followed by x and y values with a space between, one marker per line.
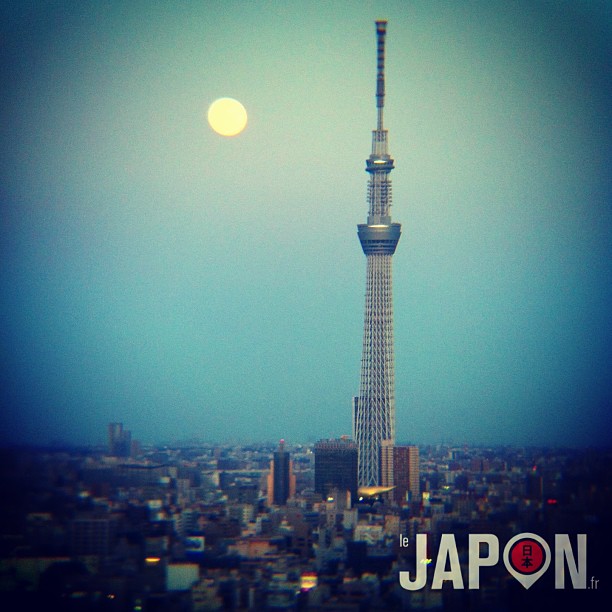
pixel 191 285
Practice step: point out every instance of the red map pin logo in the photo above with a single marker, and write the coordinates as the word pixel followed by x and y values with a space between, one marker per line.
pixel 527 557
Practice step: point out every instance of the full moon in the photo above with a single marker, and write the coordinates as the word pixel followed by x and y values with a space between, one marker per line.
pixel 227 116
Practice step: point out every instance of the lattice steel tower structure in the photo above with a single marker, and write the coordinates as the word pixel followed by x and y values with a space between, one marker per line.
pixel 374 408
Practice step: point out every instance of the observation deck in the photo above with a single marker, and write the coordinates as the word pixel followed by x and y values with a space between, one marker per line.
pixel 379 239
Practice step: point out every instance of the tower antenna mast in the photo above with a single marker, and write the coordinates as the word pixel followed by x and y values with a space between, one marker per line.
pixel 381 32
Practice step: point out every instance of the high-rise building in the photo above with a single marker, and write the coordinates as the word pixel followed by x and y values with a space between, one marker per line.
pixel 281 479
pixel 400 470
pixel 386 464
pixel 374 407
pixel 92 535
pixel 414 472
pixel 336 466
pixel 119 440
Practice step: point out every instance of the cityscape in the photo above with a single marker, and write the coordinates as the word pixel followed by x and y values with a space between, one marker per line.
pixel 353 516
pixel 283 526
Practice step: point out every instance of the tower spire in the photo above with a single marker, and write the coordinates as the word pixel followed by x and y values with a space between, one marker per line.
pixel 374 408
pixel 381 32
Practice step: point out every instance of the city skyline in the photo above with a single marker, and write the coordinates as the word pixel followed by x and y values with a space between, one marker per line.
pixel 159 275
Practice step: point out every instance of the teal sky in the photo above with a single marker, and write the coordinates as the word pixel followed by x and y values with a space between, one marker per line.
pixel 191 285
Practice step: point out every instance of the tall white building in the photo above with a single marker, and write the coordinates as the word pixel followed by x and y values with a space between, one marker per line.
pixel 374 407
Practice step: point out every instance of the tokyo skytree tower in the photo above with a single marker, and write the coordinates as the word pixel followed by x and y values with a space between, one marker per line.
pixel 374 408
